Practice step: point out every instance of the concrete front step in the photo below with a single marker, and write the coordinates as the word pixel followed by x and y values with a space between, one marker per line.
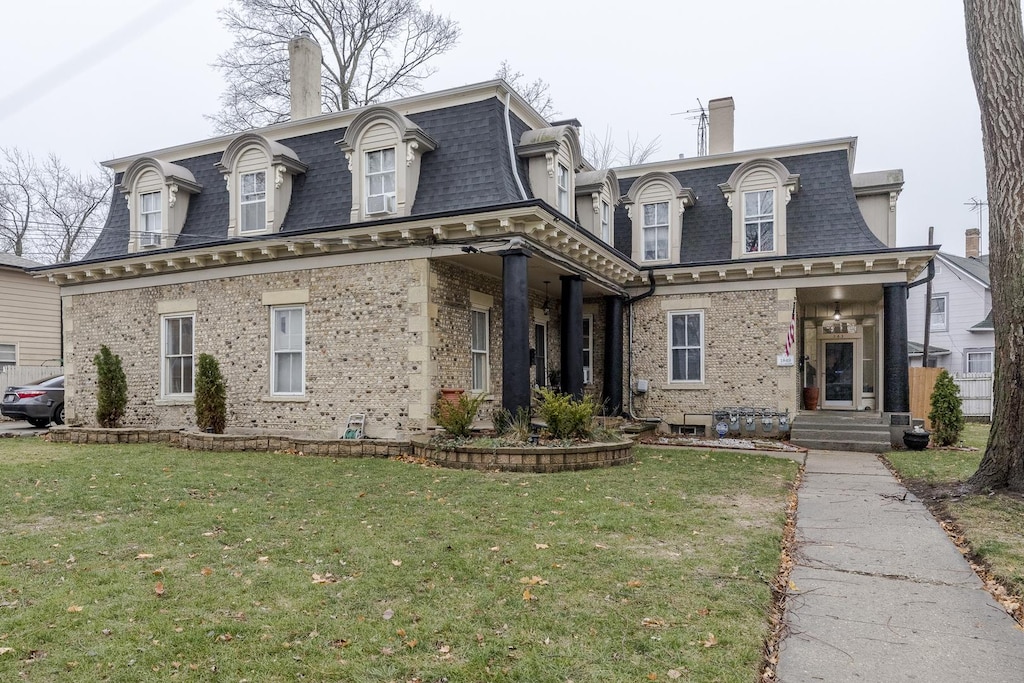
pixel 832 444
pixel 838 431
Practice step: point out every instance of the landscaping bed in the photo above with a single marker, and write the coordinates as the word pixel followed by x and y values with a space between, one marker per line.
pixel 490 454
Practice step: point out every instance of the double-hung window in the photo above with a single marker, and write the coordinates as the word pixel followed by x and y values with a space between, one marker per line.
pixel 759 221
pixel 380 181
pixel 655 231
pixel 686 346
pixel 178 355
pixel 479 344
pixel 8 356
pixel 254 201
pixel 150 222
pixel 940 309
pixel 288 354
pixel 979 361
pixel 606 223
pixel 562 189
pixel 588 349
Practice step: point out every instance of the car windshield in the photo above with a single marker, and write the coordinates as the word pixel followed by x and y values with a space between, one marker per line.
pixel 53 382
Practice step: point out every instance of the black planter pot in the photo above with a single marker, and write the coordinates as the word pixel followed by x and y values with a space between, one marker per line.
pixel 916 441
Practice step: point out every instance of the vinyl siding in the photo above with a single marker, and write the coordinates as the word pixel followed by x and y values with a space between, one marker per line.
pixel 29 316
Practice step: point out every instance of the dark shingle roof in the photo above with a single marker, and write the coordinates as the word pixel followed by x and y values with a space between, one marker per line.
pixel 470 168
pixel 17 261
pixel 985 325
pixel 917 349
pixel 822 218
pixel 977 267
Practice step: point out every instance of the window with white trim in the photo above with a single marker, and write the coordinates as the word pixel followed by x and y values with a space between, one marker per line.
pixel 178 361
pixel 655 231
pixel 978 361
pixel 288 351
pixel 380 181
pixel 940 310
pixel 479 344
pixel 606 222
pixel 150 219
pixel 8 355
pixel 588 349
pixel 562 191
pixel 253 202
pixel 759 221
pixel 686 346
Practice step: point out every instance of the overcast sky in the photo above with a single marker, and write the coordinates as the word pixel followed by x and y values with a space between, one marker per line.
pixel 101 79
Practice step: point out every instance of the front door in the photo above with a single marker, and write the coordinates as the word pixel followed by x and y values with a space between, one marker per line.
pixel 838 374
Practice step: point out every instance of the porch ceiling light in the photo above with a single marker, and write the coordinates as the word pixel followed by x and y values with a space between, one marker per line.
pixel 836 315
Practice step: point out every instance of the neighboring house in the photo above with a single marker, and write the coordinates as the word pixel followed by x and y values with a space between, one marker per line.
pixel 29 315
pixel 962 338
pixel 359 261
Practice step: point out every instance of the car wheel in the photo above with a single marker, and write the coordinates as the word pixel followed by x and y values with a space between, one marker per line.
pixel 58 414
pixel 38 422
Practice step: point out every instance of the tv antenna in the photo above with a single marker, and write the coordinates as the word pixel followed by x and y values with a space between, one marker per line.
pixel 978 205
pixel 700 115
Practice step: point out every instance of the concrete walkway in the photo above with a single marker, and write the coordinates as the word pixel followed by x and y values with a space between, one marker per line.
pixel 880 593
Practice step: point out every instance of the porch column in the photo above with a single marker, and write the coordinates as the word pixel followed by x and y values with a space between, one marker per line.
pixel 612 378
pixel 896 373
pixel 515 333
pixel 571 341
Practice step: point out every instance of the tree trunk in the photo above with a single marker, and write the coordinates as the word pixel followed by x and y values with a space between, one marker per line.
pixel 995 46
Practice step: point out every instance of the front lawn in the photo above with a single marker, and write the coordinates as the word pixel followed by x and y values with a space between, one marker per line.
pixel 127 563
pixel 992 525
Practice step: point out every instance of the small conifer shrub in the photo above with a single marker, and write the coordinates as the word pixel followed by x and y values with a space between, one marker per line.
pixel 947 415
pixel 211 395
pixel 112 388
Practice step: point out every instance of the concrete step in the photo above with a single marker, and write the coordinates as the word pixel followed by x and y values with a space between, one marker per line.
pixel 849 431
pixel 836 445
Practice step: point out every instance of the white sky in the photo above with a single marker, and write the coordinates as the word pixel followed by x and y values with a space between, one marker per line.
pixel 96 80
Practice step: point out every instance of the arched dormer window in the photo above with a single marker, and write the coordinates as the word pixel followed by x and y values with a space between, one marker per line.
pixel 157 193
pixel 655 203
pixel 597 194
pixel 383 149
pixel 258 173
pixel 554 156
pixel 758 192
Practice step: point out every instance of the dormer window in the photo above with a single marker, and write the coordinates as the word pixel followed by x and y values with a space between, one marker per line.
pixel 150 219
pixel 563 189
pixel 764 188
pixel 157 194
pixel 374 144
pixel 759 221
pixel 380 181
pixel 254 201
pixel 554 157
pixel 258 173
pixel 596 193
pixel 656 202
pixel 655 231
pixel 606 222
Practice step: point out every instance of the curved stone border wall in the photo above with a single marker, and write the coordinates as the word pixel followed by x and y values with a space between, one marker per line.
pixel 121 435
pixel 536 459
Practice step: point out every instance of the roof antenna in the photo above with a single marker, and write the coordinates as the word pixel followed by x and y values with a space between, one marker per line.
pixel 700 115
pixel 979 206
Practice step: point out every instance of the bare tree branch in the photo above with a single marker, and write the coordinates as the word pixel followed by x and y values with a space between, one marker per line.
pixel 75 208
pixel 602 152
pixel 372 49
pixel 18 199
pixel 536 93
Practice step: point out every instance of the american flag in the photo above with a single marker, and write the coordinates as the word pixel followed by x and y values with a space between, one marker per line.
pixel 791 336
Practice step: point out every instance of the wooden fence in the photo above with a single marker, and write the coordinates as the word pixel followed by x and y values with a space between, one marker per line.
pixel 18 375
pixel 975 392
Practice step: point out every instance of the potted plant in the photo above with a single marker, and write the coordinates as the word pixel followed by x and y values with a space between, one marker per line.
pixel 916 439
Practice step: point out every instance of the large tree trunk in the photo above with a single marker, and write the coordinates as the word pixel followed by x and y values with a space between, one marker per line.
pixel 995 46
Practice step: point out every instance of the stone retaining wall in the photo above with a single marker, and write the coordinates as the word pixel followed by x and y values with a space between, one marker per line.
pixel 539 459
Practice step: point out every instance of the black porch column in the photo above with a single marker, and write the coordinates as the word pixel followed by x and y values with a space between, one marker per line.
pixel 572 335
pixel 515 332
pixel 612 378
pixel 896 373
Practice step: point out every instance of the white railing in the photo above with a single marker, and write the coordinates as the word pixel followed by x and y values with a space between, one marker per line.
pixel 975 393
pixel 20 375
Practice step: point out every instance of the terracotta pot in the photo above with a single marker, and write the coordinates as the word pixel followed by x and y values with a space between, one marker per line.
pixel 452 395
pixel 810 398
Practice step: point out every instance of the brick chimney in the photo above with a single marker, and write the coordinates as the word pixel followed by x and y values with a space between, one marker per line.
pixel 720 123
pixel 304 71
pixel 973 248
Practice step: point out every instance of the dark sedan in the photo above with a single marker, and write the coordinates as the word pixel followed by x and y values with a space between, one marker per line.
pixel 40 403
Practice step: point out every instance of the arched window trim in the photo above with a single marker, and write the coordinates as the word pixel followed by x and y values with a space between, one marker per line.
pixel 784 184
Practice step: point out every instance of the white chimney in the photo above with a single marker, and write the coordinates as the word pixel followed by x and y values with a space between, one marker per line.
pixel 304 66
pixel 721 113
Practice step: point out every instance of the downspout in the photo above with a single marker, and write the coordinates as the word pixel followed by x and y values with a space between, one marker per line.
pixel 629 301
pixel 511 149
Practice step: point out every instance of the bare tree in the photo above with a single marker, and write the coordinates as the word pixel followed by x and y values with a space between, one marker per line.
pixel 602 152
pixel 18 199
pixel 75 208
pixel 371 49
pixel 537 93
pixel 995 47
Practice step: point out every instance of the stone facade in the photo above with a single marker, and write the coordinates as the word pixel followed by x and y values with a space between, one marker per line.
pixel 744 332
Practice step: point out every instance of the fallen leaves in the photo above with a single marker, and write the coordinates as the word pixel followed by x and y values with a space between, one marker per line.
pixel 711 641
pixel 397 563
pixel 159 589
pixel 144 556
pixel 533 581
pixel 540 546
pixel 325 578
pixel 75 608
